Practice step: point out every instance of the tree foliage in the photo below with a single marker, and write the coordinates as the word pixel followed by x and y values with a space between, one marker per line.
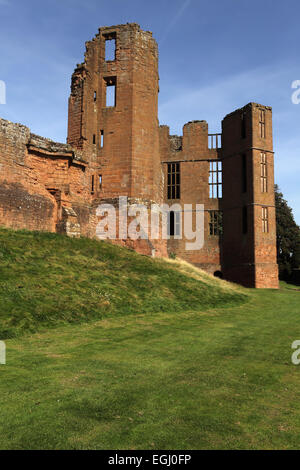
pixel 288 237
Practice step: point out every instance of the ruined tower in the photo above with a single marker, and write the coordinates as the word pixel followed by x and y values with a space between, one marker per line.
pixel 113 112
pixel 113 119
pixel 249 239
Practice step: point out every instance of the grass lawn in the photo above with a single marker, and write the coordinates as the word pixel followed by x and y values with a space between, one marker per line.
pixel 173 373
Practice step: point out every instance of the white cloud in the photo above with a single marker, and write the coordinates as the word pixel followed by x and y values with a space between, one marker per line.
pixel 175 19
pixel 214 101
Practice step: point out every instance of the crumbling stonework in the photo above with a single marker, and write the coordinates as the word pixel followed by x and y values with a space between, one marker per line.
pixel 118 149
pixel 39 179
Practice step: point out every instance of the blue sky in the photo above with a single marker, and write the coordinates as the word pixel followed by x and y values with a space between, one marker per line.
pixel 215 56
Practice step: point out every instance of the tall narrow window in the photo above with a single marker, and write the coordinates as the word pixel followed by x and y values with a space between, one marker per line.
pixel 111 96
pixel 243 125
pixel 94 139
pixel 215 179
pixel 245 219
pixel 263 173
pixel 174 223
pixel 93 183
pixel 262 123
pixel 95 96
pixel 101 138
pixel 173 180
pixel 244 173
pixel 111 88
pixel 265 219
pixel 100 182
pixel 110 48
pixel 215 223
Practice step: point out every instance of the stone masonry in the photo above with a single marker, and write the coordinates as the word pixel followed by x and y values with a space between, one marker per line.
pixel 119 149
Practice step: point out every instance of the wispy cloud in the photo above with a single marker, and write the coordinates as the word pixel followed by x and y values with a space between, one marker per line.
pixel 214 101
pixel 175 19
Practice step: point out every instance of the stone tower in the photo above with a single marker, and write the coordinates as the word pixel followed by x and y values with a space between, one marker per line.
pixel 249 239
pixel 113 118
pixel 113 112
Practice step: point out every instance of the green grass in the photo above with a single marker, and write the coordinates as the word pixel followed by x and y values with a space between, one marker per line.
pixel 209 370
pixel 48 279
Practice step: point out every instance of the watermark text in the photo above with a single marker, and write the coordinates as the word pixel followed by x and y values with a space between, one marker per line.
pixel 2 92
pixel 296 354
pixel 154 222
pixel 2 353
pixel 296 94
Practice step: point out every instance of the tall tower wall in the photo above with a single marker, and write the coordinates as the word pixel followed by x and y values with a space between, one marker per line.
pixel 249 240
pixel 120 140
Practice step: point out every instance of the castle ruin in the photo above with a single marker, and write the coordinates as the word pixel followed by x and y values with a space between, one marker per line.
pixel 116 147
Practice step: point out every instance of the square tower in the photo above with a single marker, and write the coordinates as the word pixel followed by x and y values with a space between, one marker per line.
pixel 113 113
pixel 249 239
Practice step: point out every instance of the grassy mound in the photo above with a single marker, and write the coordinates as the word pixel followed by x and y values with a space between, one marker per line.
pixel 48 279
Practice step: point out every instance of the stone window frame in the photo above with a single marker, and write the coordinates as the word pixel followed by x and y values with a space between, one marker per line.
pixel 174 224
pixel 110 37
pixel 108 82
pixel 265 219
pixel 263 172
pixel 215 181
pixel 173 183
pixel 262 123
pixel 215 223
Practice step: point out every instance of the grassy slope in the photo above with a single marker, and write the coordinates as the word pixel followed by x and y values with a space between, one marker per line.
pixel 202 378
pixel 47 279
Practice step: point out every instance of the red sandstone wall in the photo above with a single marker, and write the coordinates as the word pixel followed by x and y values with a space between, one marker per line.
pixel 192 151
pixel 39 178
pixel 129 160
pixel 249 258
pixel 24 202
pixel 48 186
